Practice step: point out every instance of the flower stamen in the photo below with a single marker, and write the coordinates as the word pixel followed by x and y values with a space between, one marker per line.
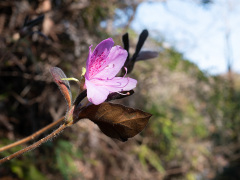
pixel 127 93
pixel 125 72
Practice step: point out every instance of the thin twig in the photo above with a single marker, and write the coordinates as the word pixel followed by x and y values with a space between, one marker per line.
pixel 36 144
pixel 33 136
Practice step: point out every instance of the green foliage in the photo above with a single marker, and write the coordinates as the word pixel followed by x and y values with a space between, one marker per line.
pixel 4 96
pixel 145 155
pixel 27 166
pixel 190 176
pixel 162 127
pixel 33 172
pixel 65 159
pixel 24 168
pixel 174 59
pixel 196 123
pixel 176 62
pixel 225 104
pixel 94 14
pixel 27 171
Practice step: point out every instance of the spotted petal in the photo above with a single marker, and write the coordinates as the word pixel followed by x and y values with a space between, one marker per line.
pixel 97 60
pixel 114 61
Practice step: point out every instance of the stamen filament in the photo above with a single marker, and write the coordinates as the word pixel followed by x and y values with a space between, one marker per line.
pixel 125 72
pixel 127 93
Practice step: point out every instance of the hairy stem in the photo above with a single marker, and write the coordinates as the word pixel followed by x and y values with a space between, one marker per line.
pixel 36 144
pixel 33 136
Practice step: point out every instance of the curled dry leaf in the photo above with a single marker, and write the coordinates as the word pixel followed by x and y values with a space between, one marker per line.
pixel 115 120
pixel 63 85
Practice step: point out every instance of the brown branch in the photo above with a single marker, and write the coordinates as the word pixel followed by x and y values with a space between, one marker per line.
pixel 36 144
pixel 33 136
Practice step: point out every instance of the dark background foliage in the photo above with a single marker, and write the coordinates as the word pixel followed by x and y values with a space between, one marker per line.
pixel 194 131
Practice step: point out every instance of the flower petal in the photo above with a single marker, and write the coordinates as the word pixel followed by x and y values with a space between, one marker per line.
pixel 116 84
pixel 97 59
pixel 114 61
pixel 96 94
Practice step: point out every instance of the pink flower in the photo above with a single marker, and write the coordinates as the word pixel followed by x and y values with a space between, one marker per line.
pixel 102 67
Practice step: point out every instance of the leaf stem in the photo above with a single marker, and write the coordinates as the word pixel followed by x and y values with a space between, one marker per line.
pixel 33 136
pixel 36 144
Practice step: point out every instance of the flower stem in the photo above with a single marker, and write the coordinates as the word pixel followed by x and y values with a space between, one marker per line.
pixel 36 144
pixel 33 136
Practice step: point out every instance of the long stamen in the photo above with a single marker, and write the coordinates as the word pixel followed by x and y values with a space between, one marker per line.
pixel 127 93
pixel 125 72
pixel 126 83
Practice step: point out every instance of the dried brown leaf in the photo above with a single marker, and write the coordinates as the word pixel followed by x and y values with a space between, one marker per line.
pixel 117 121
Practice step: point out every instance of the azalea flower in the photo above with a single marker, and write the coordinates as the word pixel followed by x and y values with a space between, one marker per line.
pixel 102 67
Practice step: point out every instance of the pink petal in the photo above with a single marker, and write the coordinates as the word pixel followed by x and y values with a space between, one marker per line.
pixel 96 94
pixel 97 59
pixel 114 61
pixel 116 84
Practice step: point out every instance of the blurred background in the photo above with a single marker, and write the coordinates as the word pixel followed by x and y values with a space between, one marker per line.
pixel 192 88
